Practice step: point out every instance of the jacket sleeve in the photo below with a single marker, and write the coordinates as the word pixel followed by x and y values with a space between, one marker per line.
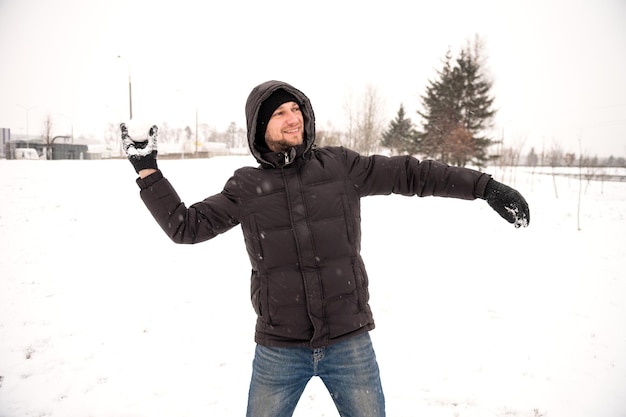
pixel 199 222
pixel 405 175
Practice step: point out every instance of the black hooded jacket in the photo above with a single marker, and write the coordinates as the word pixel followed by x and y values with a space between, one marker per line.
pixel 300 217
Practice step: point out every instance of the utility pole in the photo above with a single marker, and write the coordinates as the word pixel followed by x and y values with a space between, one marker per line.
pixel 130 89
pixel 27 110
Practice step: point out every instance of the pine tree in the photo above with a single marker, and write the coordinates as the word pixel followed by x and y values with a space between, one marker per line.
pixel 457 110
pixel 477 102
pixel 441 114
pixel 399 135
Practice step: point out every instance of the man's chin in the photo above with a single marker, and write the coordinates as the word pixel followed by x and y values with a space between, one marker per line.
pixel 284 144
pixel 290 143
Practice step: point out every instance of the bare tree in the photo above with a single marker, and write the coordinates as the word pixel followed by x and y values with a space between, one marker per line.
pixel 532 161
pixel 370 122
pixel 365 122
pixel 48 138
pixel 592 169
pixel 234 136
pixel 205 132
pixel 329 136
pixel 555 155
pixel 511 156
pixel 580 180
pixel 175 134
pixel 350 113
pixel 47 135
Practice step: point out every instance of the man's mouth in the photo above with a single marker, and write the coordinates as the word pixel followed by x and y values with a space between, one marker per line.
pixel 293 130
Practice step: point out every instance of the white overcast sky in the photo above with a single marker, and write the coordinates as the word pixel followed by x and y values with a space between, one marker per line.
pixel 558 66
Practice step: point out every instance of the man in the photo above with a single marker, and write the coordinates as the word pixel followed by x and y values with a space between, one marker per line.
pixel 299 211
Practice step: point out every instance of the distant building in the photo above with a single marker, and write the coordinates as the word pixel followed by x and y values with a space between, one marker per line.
pixel 25 153
pixel 15 149
pixel 69 151
pixel 5 137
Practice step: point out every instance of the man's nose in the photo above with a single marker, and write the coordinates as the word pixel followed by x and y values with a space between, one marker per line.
pixel 292 118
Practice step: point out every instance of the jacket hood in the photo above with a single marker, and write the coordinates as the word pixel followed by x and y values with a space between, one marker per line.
pixel 257 96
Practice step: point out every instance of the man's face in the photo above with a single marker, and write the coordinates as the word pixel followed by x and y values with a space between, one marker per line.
pixel 285 128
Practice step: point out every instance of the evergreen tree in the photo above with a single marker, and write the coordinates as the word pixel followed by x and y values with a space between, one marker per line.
pixel 441 114
pixel 457 110
pixel 399 135
pixel 477 102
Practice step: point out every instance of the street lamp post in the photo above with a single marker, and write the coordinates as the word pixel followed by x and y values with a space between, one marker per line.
pixel 130 89
pixel 27 110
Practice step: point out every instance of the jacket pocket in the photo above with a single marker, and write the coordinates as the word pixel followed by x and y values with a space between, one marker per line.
pixel 259 296
pixel 361 285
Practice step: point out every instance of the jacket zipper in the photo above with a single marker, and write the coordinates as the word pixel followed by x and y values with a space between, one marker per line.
pixel 298 250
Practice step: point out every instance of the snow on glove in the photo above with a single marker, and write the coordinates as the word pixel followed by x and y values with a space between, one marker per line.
pixel 142 154
pixel 508 203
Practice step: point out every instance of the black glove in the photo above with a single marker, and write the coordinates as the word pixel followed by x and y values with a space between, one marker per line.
pixel 508 203
pixel 143 154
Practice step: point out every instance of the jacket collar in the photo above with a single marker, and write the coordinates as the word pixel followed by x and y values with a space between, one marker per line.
pixel 282 159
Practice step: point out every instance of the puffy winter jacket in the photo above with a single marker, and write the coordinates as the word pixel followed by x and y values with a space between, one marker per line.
pixel 300 217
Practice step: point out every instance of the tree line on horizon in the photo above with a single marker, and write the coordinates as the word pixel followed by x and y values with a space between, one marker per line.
pixel 455 123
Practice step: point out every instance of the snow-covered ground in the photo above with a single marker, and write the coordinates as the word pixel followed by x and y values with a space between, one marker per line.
pixel 102 316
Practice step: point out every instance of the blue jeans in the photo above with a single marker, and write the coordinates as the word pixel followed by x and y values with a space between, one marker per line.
pixel 348 369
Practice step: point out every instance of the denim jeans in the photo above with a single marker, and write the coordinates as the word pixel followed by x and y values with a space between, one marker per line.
pixel 348 369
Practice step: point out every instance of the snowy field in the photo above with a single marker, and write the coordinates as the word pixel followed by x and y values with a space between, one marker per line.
pixel 102 316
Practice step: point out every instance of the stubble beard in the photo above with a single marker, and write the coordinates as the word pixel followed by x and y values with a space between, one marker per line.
pixel 282 145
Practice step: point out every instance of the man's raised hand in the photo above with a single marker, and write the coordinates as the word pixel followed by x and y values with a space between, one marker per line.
pixel 142 154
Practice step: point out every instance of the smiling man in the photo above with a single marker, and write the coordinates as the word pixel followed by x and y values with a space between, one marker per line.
pixel 280 122
pixel 299 212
